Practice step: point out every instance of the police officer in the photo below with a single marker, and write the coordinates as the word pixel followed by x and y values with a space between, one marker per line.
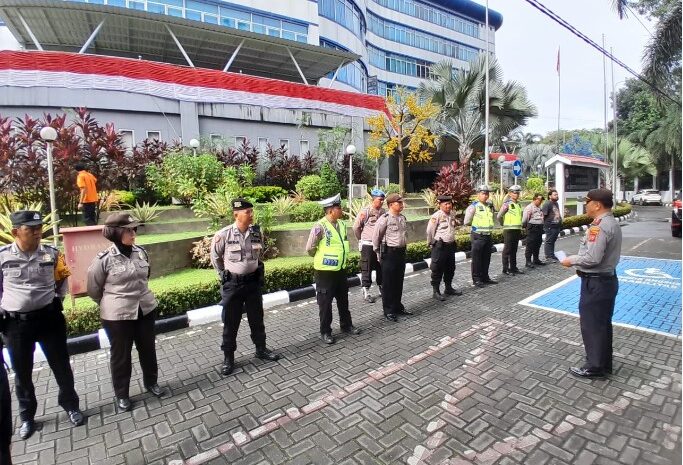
pixel 328 244
pixel 480 215
pixel 441 239
pixel 389 242
pixel 363 229
pixel 31 291
pixel 235 255
pixel 596 264
pixel 532 220
pixel 118 283
pixel 5 411
pixel 510 217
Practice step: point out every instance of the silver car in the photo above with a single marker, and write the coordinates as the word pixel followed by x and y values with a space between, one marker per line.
pixel 647 197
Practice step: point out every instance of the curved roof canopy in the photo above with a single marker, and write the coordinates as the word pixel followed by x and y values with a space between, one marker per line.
pixel 66 26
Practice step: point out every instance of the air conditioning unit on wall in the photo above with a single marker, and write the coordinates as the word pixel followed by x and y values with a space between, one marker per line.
pixel 359 191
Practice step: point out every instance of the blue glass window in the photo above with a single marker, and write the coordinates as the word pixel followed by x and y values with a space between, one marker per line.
pixel 194 15
pixel 344 12
pixel 433 15
pixel 156 8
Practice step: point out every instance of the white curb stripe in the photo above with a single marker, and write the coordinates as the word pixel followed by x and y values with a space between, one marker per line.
pixel 275 298
pixel 104 339
pixel 204 315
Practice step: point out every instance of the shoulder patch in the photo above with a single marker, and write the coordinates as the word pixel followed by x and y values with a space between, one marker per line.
pixel 593 233
pixel 102 254
pixel 255 228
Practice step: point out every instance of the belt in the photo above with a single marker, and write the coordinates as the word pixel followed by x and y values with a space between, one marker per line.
pixel 396 248
pixel 482 233
pixel 27 316
pixel 365 242
pixel 243 278
pixel 583 274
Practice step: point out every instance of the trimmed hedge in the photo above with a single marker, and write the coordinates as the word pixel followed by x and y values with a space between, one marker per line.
pixel 178 299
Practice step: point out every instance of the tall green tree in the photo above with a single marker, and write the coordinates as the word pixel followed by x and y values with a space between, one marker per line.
pixel 461 97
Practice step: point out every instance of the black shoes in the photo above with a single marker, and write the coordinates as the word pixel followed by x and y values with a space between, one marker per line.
pixel 27 429
pixel 266 354
pixel 539 263
pixel 122 404
pixel 509 273
pixel 530 265
pixel 327 339
pixel 516 271
pixel 391 317
pixel 403 311
pixel 436 295
pixel 584 372
pixel 228 365
pixel 156 390
pixel 478 284
pixel 351 330
pixel 451 291
pixel 490 281
pixel 75 417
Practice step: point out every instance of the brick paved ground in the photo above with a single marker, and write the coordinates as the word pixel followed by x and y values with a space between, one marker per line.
pixel 478 379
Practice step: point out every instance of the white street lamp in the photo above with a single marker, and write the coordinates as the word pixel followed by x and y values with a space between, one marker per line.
pixel 350 151
pixel 501 160
pixel 49 134
pixel 194 143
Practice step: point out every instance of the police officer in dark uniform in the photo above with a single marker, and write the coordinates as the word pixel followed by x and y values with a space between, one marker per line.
pixel 441 239
pixel 480 216
pixel 235 255
pixel 31 292
pixel 596 264
pixel 5 411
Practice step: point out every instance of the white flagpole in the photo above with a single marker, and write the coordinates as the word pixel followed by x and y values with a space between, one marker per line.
pixel 486 108
pixel 604 93
pixel 559 99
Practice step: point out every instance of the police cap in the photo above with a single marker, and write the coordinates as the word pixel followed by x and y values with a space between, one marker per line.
pixel 377 193
pixel 394 198
pixel 604 196
pixel 26 218
pixel 241 204
pixel 121 220
pixel 484 188
pixel 444 198
pixel 515 188
pixel 334 201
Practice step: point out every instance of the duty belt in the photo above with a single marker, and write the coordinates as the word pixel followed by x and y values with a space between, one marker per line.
pixel 395 248
pixel 243 278
pixel 583 274
pixel 487 233
pixel 32 315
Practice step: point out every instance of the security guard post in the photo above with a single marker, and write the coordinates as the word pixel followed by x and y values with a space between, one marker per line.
pixel 480 215
pixel 510 217
pixel 5 411
pixel 389 243
pixel 596 264
pixel 329 247
pixel 441 239
pixel 363 229
pixel 235 255
pixel 532 220
pixel 32 286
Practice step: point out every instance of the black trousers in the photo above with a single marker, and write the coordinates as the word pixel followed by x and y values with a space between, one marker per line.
pixel 551 233
pixel 5 415
pixel 122 334
pixel 481 257
pixel 368 263
pixel 90 213
pixel 596 306
pixel 393 272
pixel 49 330
pixel 331 285
pixel 510 245
pixel 443 263
pixel 239 298
pixel 534 239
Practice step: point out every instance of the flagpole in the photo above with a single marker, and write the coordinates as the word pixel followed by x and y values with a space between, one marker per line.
pixel 559 99
pixel 604 93
pixel 486 104
pixel 615 159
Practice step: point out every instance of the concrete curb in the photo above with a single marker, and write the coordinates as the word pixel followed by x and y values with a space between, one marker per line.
pixel 212 314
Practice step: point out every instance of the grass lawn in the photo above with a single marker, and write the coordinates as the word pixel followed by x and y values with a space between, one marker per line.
pixel 309 224
pixel 154 238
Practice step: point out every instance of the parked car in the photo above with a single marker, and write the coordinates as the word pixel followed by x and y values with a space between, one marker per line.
pixel 647 197
pixel 676 217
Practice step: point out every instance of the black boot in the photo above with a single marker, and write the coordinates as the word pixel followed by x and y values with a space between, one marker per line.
pixel 228 364
pixel 266 354
pixel 437 294
pixel 451 291
pixel 529 264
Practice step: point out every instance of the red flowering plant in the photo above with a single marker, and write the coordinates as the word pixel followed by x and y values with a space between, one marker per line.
pixel 453 180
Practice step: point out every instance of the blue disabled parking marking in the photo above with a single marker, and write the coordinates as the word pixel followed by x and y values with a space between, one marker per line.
pixel 649 295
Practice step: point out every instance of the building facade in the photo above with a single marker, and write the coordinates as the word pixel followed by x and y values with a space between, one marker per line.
pixel 361 46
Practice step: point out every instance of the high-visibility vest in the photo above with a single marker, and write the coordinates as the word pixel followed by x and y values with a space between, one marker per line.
pixel 513 217
pixel 483 218
pixel 333 248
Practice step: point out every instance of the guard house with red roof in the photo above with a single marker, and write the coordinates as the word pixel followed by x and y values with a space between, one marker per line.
pixel 575 175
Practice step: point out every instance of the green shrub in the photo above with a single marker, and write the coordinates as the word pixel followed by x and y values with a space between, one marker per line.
pixel 536 185
pixel 622 209
pixel 185 177
pixel 310 187
pixel 263 194
pixel 125 197
pixel 392 189
pixel 576 220
pixel 330 184
pixel 306 211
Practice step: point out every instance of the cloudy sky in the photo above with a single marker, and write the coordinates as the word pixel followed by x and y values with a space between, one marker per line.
pixel 527 44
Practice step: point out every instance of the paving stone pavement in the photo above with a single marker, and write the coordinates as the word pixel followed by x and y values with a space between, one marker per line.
pixel 478 379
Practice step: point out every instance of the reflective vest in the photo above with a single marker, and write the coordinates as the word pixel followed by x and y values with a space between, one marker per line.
pixel 513 217
pixel 333 248
pixel 483 218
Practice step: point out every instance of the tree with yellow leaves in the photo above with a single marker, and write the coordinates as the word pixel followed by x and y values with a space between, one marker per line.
pixel 404 134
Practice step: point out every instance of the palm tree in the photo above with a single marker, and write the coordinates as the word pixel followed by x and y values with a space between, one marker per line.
pixel 633 161
pixel 462 98
pixel 533 155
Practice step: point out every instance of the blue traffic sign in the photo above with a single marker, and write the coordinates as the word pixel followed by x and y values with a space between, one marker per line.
pixel 517 168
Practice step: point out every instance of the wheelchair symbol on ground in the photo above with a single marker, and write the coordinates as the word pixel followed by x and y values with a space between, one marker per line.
pixel 649 295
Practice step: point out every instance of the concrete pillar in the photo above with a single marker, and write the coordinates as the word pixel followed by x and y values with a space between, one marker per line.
pixel 189 121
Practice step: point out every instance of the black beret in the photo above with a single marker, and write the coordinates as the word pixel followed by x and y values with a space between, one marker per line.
pixel 444 198
pixel 604 196
pixel 121 220
pixel 241 204
pixel 26 218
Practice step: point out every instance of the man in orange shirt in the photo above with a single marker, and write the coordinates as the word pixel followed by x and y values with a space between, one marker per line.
pixel 88 199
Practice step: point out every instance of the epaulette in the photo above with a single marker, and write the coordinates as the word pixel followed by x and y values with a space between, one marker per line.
pixel 48 246
pixel 5 247
pixel 144 252
pixel 102 254
pixel 255 228
pixel 385 215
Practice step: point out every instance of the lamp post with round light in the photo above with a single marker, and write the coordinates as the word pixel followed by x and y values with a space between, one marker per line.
pixel 194 143
pixel 49 134
pixel 350 151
